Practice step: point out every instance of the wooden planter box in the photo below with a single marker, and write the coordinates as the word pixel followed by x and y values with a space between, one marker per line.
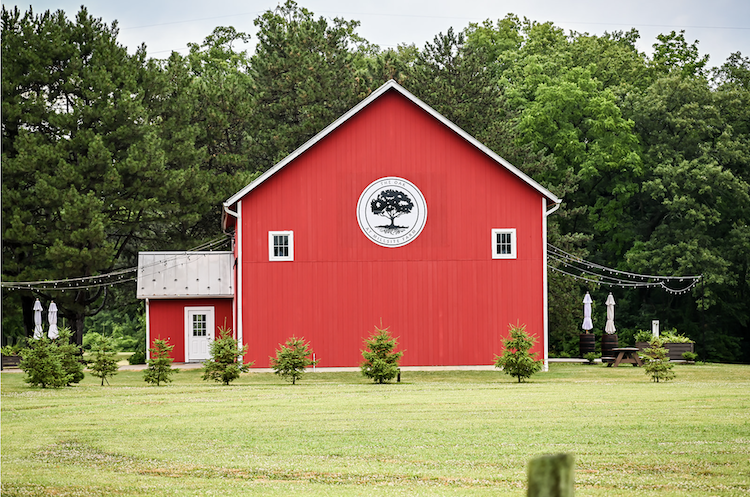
pixel 675 349
pixel 11 361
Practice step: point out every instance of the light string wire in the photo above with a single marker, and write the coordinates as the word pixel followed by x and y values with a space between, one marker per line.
pixel 565 259
pixel 107 279
pixel 594 273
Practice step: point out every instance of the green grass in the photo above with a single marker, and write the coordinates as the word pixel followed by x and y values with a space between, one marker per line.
pixel 436 433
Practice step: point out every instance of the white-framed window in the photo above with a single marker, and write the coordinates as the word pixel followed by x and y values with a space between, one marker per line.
pixel 280 245
pixel 504 243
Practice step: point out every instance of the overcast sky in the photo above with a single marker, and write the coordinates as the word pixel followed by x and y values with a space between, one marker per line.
pixel 721 26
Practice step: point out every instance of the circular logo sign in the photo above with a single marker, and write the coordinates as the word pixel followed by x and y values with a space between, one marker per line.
pixel 391 212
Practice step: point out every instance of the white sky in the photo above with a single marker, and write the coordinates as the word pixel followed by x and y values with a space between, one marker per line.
pixel 721 26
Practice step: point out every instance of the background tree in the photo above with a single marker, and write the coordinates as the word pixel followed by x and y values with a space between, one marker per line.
pixel 103 362
pixel 516 359
pixel 304 75
pixel 292 358
pixel 84 175
pixel 380 358
pixel 159 369
pixel 224 365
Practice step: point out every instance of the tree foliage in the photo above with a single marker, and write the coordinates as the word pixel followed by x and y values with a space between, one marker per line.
pixel 225 365
pixel 516 359
pixel 380 356
pixel 292 358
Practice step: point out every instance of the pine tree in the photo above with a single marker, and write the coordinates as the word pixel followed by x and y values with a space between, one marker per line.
pixel 304 75
pixel 224 365
pixel 88 177
pixel 292 359
pixel 160 365
pixel 380 361
pixel 104 361
pixel 516 359
pixel 657 361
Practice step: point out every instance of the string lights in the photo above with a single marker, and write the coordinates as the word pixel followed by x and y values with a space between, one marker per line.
pixel 116 277
pixel 584 270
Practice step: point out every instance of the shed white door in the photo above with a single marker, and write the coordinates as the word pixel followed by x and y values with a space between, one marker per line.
pixel 199 333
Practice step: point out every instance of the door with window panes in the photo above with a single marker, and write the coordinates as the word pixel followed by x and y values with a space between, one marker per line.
pixel 199 331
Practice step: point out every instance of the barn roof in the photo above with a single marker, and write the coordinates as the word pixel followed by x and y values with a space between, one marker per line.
pixel 389 86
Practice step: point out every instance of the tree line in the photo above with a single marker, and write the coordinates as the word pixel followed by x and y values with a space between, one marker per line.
pixel 106 153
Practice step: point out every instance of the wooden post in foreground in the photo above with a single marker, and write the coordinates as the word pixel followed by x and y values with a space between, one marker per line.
pixel 551 476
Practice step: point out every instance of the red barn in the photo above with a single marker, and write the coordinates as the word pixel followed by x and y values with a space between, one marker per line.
pixel 391 214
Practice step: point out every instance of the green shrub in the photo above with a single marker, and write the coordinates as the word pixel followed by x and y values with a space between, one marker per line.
pixel 690 356
pixel 516 359
pixel 380 361
pixel 224 366
pixel 292 359
pixel 159 368
pixel 657 362
pixel 591 357
pixel 42 364
pixel 643 336
pixel 13 350
pixel 671 336
pixel 52 363
pixel 104 362
pixel 138 357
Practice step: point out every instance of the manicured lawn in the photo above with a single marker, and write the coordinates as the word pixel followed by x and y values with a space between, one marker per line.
pixel 436 433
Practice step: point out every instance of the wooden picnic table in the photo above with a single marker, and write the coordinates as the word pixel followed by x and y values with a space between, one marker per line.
pixel 627 355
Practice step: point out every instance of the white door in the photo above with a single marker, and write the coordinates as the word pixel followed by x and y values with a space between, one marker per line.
pixel 199 333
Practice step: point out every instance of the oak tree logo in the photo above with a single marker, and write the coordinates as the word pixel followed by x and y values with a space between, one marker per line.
pixel 391 204
pixel 391 212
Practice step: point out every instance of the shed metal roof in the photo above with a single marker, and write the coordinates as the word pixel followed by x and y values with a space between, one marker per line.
pixel 185 275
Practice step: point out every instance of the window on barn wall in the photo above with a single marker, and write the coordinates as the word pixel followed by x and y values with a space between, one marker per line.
pixel 504 243
pixel 280 246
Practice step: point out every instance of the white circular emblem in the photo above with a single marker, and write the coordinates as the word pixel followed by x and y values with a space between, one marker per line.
pixel 391 212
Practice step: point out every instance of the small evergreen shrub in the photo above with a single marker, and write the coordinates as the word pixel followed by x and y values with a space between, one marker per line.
pixel 292 359
pixel 516 359
pixel 104 358
pixel 52 363
pixel 42 364
pixel 159 368
pixel 380 360
pixel 657 362
pixel 224 366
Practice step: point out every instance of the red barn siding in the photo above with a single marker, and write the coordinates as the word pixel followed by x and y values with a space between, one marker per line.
pixel 443 295
pixel 167 320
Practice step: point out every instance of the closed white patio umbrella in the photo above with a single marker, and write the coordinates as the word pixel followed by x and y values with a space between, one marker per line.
pixel 38 331
pixel 587 323
pixel 609 327
pixel 52 317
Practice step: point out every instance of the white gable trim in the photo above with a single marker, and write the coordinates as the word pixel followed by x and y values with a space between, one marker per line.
pixel 364 103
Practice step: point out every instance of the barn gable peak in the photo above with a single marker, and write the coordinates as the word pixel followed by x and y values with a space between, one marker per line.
pixel 391 85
